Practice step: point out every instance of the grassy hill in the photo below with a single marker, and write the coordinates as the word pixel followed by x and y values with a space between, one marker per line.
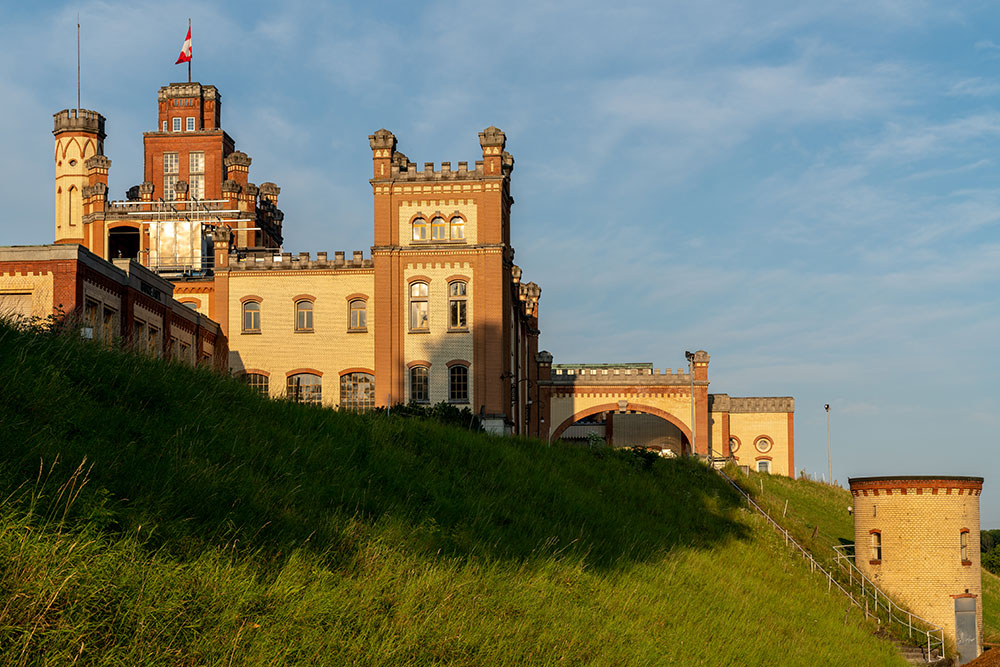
pixel 158 515
pixel 816 514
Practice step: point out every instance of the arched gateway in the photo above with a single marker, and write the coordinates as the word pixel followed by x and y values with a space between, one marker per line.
pixel 576 399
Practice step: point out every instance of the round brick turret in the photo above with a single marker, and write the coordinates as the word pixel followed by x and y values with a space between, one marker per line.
pixel 917 538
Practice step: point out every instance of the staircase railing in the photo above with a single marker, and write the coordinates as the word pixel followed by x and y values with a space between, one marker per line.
pixel 931 635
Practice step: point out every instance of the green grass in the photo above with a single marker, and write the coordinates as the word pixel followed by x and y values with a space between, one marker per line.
pixel 153 514
pixel 816 514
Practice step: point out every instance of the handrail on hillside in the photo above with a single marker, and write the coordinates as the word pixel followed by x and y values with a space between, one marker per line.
pixel 934 637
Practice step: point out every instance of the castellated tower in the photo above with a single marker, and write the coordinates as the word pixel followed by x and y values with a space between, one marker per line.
pixel 917 538
pixel 79 137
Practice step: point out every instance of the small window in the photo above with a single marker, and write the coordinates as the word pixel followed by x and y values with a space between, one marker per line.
pixel 734 445
pixel 251 317
pixel 164 126
pixel 359 315
pixel 964 545
pixel 764 466
pixel 305 388
pixel 458 384
pixel 190 124
pixel 763 444
pixel 419 317
pixel 110 326
pixel 196 174
pixel 177 124
pixel 877 546
pixel 420 229
pixel 154 348
pixel 439 230
pixel 457 229
pixel 170 163
pixel 303 316
pixel 456 305
pixel 190 304
pixel 357 391
pixel 419 384
pixel 257 381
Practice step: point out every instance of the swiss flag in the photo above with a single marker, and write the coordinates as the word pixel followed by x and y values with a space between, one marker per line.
pixel 185 55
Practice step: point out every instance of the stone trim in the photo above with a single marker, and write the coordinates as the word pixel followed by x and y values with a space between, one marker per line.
pixel 418 362
pixel 303 297
pixel 296 371
pixel 346 371
pixel 252 297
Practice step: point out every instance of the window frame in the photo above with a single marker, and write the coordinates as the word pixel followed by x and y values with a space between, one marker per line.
pixel 764 465
pixel 419 303
pixel 246 308
pixel 875 544
pixel 458 304
pixel 439 230
pixel 260 382
pixel 298 391
pixel 301 310
pixel 458 383
pixel 760 447
pixel 177 124
pixel 361 324
pixel 171 172
pixel 420 223
pixel 963 546
pixel 189 124
pixel 358 383
pixel 196 175
pixel 421 374
pixel 456 222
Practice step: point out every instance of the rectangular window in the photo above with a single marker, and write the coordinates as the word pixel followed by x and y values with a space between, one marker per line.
pixel 177 124
pixel 877 546
pixel 139 336
pixel 304 316
pixel 109 326
pixel 185 352
pixel 964 542
pixel 164 126
pixel 419 384
pixel 419 320
pixel 456 306
pixel 764 466
pixel 359 316
pixel 458 384
pixel 154 341
pixel 196 171
pixel 190 124
pixel 170 164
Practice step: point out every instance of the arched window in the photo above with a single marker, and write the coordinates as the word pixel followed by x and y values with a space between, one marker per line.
pixel 419 312
pixel 303 315
pixel 357 391
pixel 305 388
pixel 257 381
pixel 876 537
pixel 251 317
pixel 420 384
pixel 359 315
pixel 457 229
pixel 439 229
pixel 458 384
pixel 456 305
pixel 420 229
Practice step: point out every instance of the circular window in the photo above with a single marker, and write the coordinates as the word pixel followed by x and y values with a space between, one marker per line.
pixel 72 163
pixel 734 445
pixel 763 444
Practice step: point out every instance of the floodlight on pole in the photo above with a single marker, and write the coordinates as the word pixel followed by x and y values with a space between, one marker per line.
pixel 829 454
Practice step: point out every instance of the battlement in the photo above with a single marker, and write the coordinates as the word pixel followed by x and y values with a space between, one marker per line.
pixel 79 120
pixel 618 374
pixel 405 170
pixel 492 139
pixel 193 89
pixel 302 261
pixel 750 404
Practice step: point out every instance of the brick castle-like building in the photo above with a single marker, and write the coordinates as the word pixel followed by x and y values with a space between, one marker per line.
pixel 437 312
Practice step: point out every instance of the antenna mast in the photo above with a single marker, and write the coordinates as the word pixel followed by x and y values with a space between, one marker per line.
pixel 78 60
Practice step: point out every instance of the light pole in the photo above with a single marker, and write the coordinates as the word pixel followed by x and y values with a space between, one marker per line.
pixel 829 451
pixel 690 358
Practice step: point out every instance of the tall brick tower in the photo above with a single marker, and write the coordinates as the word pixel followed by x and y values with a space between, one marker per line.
pixel 79 136
pixel 445 299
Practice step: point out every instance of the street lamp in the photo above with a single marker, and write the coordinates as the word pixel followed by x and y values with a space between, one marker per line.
pixel 690 357
pixel 829 451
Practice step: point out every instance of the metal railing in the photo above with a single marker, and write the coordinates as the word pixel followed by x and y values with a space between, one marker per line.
pixel 933 637
pixel 885 608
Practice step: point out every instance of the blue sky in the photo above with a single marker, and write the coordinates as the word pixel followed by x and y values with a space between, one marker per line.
pixel 808 191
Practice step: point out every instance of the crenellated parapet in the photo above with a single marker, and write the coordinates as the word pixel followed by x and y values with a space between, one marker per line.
pixel 302 261
pixel 79 120
pixel 618 374
pixel 392 164
pixel 750 404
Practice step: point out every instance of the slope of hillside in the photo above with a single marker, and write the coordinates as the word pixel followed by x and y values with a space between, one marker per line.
pixel 817 515
pixel 154 514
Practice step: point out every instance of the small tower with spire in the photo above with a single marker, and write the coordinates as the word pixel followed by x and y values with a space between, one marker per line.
pixel 79 136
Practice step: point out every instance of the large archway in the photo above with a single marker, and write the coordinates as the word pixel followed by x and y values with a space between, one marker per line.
pixel 640 434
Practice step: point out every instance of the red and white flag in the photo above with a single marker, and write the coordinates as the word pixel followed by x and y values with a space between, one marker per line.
pixel 185 55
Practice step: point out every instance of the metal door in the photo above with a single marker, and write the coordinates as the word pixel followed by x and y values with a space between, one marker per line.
pixel 965 629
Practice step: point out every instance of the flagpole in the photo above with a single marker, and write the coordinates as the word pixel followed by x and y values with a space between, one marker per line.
pixel 78 60
pixel 189 60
